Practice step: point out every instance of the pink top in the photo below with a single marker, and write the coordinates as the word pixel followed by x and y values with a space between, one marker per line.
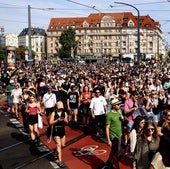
pixel 129 103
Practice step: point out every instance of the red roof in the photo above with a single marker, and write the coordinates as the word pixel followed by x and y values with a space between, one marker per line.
pixel 95 18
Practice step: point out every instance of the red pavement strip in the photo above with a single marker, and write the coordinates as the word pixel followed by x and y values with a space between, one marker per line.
pixel 86 153
pixel 89 153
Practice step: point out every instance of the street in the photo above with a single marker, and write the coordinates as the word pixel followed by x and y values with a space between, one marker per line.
pixel 83 150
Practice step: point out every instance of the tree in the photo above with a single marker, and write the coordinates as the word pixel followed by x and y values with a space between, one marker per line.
pixel 168 54
pixel 3 52
pixel 67 41
pixel 20 52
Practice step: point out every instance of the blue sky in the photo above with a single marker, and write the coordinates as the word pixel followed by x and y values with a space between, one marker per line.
pixel 14 14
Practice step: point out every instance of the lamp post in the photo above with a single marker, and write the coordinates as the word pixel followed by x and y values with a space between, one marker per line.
pixel 138 26
pixel 29 33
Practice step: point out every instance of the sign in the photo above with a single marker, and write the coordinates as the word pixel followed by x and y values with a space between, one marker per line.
pixel 11 58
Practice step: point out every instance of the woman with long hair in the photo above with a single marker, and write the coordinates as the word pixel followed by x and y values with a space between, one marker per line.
pixel 146 146
pixel 161 159
pixel 136 132
pixel 33 109
pixel 85 98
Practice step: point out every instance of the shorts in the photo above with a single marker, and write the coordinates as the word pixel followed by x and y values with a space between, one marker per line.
pixel 100 121
pixel 48 111
pixel 33 119
pixel 129 126
pixel 58 131
pixel 157 162
pixel 85 109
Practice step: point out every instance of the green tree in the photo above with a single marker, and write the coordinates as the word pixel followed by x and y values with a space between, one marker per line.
pixel 3 52
pixel 67 41
pixel 20 52
pixel 168 54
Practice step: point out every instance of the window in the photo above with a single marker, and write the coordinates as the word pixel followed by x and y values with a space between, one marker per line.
pixel 116 43
pixel 124 44
pixel 151 44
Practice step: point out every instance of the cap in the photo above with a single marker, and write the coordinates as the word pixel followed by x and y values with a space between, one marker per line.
pixel 49 87
pixel 115 102
pixel 11 81
pixel 59 105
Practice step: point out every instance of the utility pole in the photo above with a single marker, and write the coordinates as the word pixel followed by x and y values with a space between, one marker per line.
pixel 138 29
pixel 29 33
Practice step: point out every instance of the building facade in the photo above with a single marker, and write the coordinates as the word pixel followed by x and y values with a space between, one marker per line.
pixel 38 41
pixel 108 35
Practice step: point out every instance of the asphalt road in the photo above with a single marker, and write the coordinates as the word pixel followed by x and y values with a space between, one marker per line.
pixel 15 150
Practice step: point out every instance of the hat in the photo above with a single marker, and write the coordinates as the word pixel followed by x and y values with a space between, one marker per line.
pixel 49 87
pixel 115 102
pixel 11 81
pixel 59 105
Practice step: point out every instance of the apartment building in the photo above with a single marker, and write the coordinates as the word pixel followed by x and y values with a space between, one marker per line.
pixel 38 41
pixel 109 34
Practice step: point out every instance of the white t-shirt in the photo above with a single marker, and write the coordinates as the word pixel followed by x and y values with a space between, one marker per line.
pixel 49 99
pixel 16 93
pixel 97 104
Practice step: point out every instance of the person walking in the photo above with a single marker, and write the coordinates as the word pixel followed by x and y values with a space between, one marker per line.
pixel 98 108
pixel 114 132
pixel 136 132
pixel 58 120
pixel 8 90
pixel 49 101
pixel 73 103
pixel 24 100
pixel 33 109
pixel 161 159
pixel 146 146
pixel 85 98
pixel 15 95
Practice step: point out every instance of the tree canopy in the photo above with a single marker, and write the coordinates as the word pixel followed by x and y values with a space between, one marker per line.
pixel 68 43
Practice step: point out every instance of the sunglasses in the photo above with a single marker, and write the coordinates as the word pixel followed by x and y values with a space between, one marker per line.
pixel 150 129
pixel 142 122
pixel 168 115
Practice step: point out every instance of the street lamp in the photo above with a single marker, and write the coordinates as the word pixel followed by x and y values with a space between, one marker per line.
pixel 29 33
pixel 138 33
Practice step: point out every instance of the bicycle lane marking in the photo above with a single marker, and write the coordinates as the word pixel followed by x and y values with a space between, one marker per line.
pixel 87 153
pixel 89 150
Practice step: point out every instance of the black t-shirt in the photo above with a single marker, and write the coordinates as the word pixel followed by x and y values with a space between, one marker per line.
pixel 73 99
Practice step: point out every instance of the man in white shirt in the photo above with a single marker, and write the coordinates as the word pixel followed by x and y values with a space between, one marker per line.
pixel 98 111
pixel 49 100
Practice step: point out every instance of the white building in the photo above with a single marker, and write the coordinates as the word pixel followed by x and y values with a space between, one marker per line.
pixel 38 41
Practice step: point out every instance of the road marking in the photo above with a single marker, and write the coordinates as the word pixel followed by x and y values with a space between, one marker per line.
pixel 89 150
pixel 54 164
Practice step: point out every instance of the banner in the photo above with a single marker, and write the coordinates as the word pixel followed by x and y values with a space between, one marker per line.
pixel 11 59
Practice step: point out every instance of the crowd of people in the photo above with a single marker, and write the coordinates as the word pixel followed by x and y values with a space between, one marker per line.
pixel 130 106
